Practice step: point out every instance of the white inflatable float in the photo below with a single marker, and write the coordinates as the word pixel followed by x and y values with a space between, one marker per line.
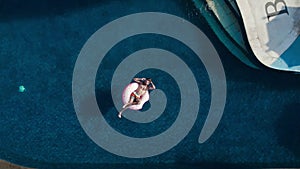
pixel 126 96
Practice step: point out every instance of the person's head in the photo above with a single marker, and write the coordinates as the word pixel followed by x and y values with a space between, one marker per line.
pixel 147 81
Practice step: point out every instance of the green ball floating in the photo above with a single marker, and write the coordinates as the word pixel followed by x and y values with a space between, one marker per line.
pixel 22 89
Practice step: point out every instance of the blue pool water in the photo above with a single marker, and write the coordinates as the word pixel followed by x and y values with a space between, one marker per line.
pixel 292 52
pixel 39 45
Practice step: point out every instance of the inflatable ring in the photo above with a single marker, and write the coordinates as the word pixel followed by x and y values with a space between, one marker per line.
pixel 126 96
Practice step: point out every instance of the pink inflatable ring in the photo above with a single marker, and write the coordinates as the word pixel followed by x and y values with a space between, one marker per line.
pixel 126 96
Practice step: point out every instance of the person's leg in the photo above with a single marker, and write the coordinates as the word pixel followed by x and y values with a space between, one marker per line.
pixel 120 113
pixel 131 101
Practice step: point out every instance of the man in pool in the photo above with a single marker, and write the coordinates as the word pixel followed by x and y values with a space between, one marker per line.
pixel 144 84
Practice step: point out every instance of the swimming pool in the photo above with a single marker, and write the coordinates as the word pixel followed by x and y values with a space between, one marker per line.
pixel 39 45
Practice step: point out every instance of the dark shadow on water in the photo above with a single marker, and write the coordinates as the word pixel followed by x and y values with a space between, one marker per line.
pixel 288 128
pixel 268 79
pixel 146 106
pixel 18 9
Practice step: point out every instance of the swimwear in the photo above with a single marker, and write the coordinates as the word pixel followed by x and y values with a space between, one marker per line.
pixel 136 96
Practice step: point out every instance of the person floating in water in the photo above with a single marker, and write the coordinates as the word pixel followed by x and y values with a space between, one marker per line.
pixel 144 85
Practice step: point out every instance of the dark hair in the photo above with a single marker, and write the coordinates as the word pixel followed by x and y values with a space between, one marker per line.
pixel 145 81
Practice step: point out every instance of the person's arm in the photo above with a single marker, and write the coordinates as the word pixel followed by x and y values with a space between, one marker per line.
pixel 151 86
pixel 139 80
